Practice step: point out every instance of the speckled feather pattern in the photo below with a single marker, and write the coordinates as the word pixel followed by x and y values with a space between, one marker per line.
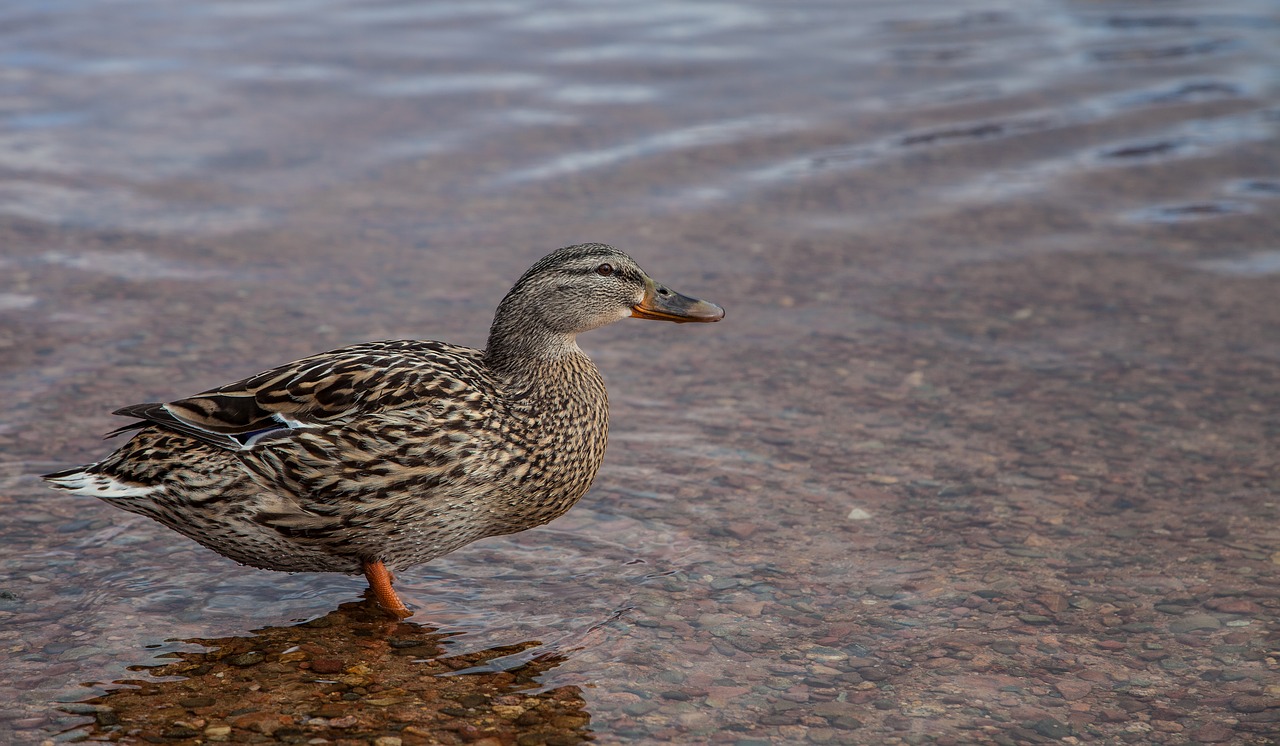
pixel 397 451
pixel 427 423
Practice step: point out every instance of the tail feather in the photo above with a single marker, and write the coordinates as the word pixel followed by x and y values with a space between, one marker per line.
pixel 82 480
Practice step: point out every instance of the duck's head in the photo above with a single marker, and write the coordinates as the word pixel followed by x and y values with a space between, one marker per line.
pixel 584 287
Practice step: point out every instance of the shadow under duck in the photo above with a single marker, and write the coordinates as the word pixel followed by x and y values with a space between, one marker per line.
pixel 390 454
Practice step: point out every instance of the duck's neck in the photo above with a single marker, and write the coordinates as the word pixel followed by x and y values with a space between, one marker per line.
pixel 522 346
pixel 531 356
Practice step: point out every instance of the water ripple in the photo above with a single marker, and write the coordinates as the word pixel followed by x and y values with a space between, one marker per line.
pixel 666 142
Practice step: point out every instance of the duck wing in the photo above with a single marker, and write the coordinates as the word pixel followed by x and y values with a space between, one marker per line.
pixel 322 390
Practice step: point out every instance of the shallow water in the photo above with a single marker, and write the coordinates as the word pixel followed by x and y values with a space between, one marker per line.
pixel 992 413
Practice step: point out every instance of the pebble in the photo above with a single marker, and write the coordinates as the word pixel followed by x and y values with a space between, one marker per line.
pixel 1212 733
pixel 1073 690
pixel 883 591
pixel 825 654
pixel 643 707
pixel 1250 703
pixel 245 660
pixel 1234 606
pixel 193 702
pixel 1194 622
pixel 327 665
pixel 1051 728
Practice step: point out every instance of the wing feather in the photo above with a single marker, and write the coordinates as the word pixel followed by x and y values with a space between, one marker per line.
pixel 323 389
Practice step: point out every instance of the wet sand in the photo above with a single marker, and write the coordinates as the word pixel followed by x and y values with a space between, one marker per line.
pixel 984 452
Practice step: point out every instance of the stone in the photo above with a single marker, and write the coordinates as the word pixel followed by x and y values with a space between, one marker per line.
pixel 326 665
pixel 643 707
pixel 193 702
pixel 1249 703
pixel 1194 622
pixel 1234 606
pixel 1073 689
pixel 244 660
pixel 825 654
pixel 1212 733
pixel 1050 728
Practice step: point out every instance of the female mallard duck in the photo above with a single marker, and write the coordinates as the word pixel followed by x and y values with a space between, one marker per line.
pixel 390 454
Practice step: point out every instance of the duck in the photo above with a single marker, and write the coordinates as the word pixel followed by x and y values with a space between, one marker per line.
pixel 381 456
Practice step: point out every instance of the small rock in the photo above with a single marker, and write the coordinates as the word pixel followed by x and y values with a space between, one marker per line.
pixel 262 722
pixel 1194 622
pixel 643 707
pixel 181 731
pixel 1234 606
pixel 387 741
pixel 1071 689
pixel 193 702
pixel 326 665
pixel 1054 602
pixel 1249 703
pixel 825 654
pixel 1212 733
pixel 858 514
pixel 244 660
pixel 1138 627
pixel 1036 619
pixel 1050 728
pixel 882 591
pixel 836 710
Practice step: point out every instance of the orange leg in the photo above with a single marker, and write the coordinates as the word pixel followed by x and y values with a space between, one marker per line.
pixel 379 578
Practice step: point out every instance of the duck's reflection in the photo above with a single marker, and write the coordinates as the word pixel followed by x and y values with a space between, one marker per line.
pixel 351 676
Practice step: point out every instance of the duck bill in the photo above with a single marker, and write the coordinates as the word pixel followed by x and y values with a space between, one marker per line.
pixel 664 304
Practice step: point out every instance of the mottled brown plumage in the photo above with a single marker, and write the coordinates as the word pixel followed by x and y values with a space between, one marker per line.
pixel 393 453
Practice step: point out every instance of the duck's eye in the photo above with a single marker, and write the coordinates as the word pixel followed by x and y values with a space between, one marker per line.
pixel 604 270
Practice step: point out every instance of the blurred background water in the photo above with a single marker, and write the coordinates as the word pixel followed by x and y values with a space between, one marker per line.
pixel 936 227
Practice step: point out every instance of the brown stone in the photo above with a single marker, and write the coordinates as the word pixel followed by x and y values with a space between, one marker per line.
pixel 1234 606
pixel 1212 733
pixel 265 723
pixel 326 665
pixel 1054 602
pixel 1250 703
pixel 1073 689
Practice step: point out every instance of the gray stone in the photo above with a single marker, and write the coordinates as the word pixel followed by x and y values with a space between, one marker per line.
pixel 1050 728
pixel 1194 622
